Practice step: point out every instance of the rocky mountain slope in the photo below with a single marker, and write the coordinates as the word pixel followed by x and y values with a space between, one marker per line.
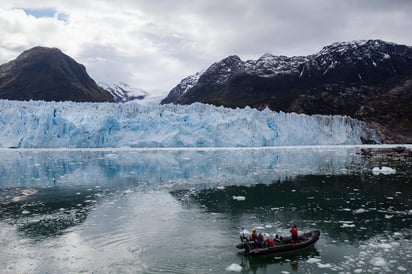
pixel 48 74
pixel 368 80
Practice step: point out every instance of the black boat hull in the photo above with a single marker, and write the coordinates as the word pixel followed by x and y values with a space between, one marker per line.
pixel 306 241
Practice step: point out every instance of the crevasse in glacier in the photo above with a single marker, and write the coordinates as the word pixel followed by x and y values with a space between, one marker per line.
pixel 37 124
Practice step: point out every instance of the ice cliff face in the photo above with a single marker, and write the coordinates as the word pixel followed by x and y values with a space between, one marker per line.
pixel 67 124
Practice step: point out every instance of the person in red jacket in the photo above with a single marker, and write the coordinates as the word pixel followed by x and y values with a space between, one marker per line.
pixel 294 233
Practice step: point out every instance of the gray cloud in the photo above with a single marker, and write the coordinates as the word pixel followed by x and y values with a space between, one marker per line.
pixel 154 44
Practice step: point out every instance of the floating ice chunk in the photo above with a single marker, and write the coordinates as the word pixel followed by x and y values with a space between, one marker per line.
pixel 401 268
pixel 285 272
pixel 359 270
pixel 313 260
pixel 320 265
pixel 220 187
pixel 24 194
pixel 377 261
pixel 25 212
pixel 234 267
pixel 383 170
pixel 239 198
pixel 385 246
pixel 345 225
pixel 387 216
pixel 359 211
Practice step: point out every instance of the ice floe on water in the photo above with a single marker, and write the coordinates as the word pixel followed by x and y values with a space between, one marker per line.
pixel 377 261
pixel 313 260
pixel 383 170
pixel 234 267
pixel 359 211
pixel 239 198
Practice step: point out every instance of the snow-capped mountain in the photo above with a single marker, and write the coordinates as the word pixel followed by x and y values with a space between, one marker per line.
pixel 123 92
pixel 38 124
pixel 368 79
pixel 363 60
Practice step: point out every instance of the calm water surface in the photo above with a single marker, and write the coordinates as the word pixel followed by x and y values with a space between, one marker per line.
pixel 175 211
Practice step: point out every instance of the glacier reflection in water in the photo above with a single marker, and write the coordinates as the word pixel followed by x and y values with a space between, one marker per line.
pixel 164 167
pixel 172 210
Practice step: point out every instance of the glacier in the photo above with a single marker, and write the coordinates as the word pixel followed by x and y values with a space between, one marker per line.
pixel 38 124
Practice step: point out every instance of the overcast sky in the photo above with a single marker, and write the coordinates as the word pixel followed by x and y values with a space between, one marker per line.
pixel 153 44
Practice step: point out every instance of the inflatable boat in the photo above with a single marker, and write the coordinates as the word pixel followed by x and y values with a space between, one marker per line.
pixel 280 245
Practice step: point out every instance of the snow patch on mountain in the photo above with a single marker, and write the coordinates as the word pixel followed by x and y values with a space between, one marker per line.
pixel 123 92
pixel 38 124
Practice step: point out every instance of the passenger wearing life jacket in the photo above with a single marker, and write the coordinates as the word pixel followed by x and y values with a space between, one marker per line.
pixel 294 233
pixel 269 242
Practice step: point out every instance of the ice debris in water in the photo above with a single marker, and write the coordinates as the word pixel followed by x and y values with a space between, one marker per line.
pixel 383 170
pixel 234 267
pixel 239 198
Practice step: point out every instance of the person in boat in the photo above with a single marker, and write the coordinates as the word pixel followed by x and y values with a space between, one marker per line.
pixel 294 234
pixel 269 242
pixel 260 240
pixel 254 236
pixel 244 235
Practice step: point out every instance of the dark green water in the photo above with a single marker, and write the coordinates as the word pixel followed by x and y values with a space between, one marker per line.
pixel 173 211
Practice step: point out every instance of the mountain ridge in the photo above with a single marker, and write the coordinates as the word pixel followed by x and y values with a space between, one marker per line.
pixel 367 79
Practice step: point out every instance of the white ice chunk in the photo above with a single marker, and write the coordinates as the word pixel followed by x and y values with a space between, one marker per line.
pixel 383 170
pixel 385 246
pixel 234 267
pixel 320 265
pixel 377 261
pixel 401 268
pixel 359 211
pixel 239 198
pixel 313 260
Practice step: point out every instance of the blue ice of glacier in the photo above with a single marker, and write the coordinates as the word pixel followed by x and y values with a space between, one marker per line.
pixel 37 124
